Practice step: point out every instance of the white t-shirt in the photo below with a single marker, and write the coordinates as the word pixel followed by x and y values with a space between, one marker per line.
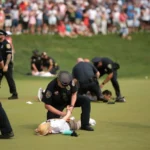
pixel 92 14
pixel 59 125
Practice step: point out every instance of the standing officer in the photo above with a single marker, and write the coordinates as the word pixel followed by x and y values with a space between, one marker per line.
pixel 5 126
pixel 36 63
pixel 107 66
pixel 62 92
pixel 87 76
pixel 6 53
pixel 49 63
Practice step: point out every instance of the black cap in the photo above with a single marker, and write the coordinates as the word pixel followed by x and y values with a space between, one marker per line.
pixel 64 77
pixel 2 32
pixel 96 59
pixel 36 51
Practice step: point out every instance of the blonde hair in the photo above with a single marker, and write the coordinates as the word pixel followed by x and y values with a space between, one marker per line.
pixel 43 129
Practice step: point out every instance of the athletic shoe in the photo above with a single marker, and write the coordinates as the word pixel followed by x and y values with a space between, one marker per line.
pixel 40 94
pixel 92 122
pixel 120 99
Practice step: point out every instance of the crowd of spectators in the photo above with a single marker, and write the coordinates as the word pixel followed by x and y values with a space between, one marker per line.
pixel 74 17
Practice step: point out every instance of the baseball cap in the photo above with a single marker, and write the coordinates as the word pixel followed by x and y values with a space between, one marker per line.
pixel 2 32
pixel 96 59
pixel 64 77
pixel 36 51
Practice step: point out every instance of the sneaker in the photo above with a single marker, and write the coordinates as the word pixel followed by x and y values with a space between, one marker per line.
pixel 87 128
pixel 120 99
pixel 14 96
pixel 92 122
pixel 7 136
pixel 40 94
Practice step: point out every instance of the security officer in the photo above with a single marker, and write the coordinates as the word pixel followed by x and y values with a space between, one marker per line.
pixel 62 92
pixel 6 53
pixel 36 62
pixel 87 76
pixel 49 63
pixel 5 126
pixel 107 66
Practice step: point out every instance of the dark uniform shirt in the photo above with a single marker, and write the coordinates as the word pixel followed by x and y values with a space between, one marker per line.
pixel 57 96
pixel 84 71
pixel 37 61
pixel 108 66
pixel 46 62
pixel 5 49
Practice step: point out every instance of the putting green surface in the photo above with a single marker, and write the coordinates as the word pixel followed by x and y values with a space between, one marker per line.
pixel 120 126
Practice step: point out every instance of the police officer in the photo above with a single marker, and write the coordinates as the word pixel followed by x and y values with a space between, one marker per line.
pixel 49 63
pixel 5 126
pixel 62 92
pixel 36 62
pixel 87 76
pixel 107 66
pixel 6 53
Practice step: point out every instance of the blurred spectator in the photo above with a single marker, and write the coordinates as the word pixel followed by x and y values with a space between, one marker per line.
pixel 2 17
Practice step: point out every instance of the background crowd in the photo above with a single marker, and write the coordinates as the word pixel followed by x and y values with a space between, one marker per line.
pixel 74 17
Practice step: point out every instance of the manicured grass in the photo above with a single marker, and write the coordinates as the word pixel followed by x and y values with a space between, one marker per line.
pixel 120 126
pixel 133 56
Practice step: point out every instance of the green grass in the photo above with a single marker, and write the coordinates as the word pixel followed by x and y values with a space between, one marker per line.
pixel 119 126
pixel 133 56
pixel 122 126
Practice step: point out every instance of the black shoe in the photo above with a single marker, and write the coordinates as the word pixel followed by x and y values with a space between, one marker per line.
pixel 120 99
pixel 7 136
pixel 87 128
pixel 13 97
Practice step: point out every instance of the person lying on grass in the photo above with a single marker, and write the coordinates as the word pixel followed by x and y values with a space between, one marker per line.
pixel 63 125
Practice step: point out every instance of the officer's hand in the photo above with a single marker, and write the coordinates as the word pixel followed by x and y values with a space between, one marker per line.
pixel 5 68
pixel 63 114
pixel 101 86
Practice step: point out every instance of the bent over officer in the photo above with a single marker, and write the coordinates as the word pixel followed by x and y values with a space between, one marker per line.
pixel 62 92
pixel 107 66
pixel 87 76
pixel 5 126
pixel 6 53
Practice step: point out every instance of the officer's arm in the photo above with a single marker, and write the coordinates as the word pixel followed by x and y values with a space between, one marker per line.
pixel 73 100
pixel 54 110
pixel 107 78
pixel 8 59
pixel 50 65
pixel 34 67
pixel 97 74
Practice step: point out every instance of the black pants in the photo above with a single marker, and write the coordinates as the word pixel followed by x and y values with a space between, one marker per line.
pixel 9 77
pixel 5 126
pixel 83 102
pixel 115 84
pixel 93 87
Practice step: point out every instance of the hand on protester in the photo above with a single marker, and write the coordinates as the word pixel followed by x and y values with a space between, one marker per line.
pixel 70 108
pixel 5 68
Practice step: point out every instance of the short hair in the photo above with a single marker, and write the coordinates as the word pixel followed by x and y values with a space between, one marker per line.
pixel 107 92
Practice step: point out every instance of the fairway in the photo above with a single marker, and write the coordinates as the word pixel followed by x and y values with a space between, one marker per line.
pixel 120 126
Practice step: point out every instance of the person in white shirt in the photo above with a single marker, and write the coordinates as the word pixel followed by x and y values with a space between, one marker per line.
pixel 65 125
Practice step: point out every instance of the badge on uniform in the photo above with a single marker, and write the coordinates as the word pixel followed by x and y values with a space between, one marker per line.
pixel 56 92
pixel 8 46
pixel 48 94
pixel 73 83
pixel 109 66
pixel 68 87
